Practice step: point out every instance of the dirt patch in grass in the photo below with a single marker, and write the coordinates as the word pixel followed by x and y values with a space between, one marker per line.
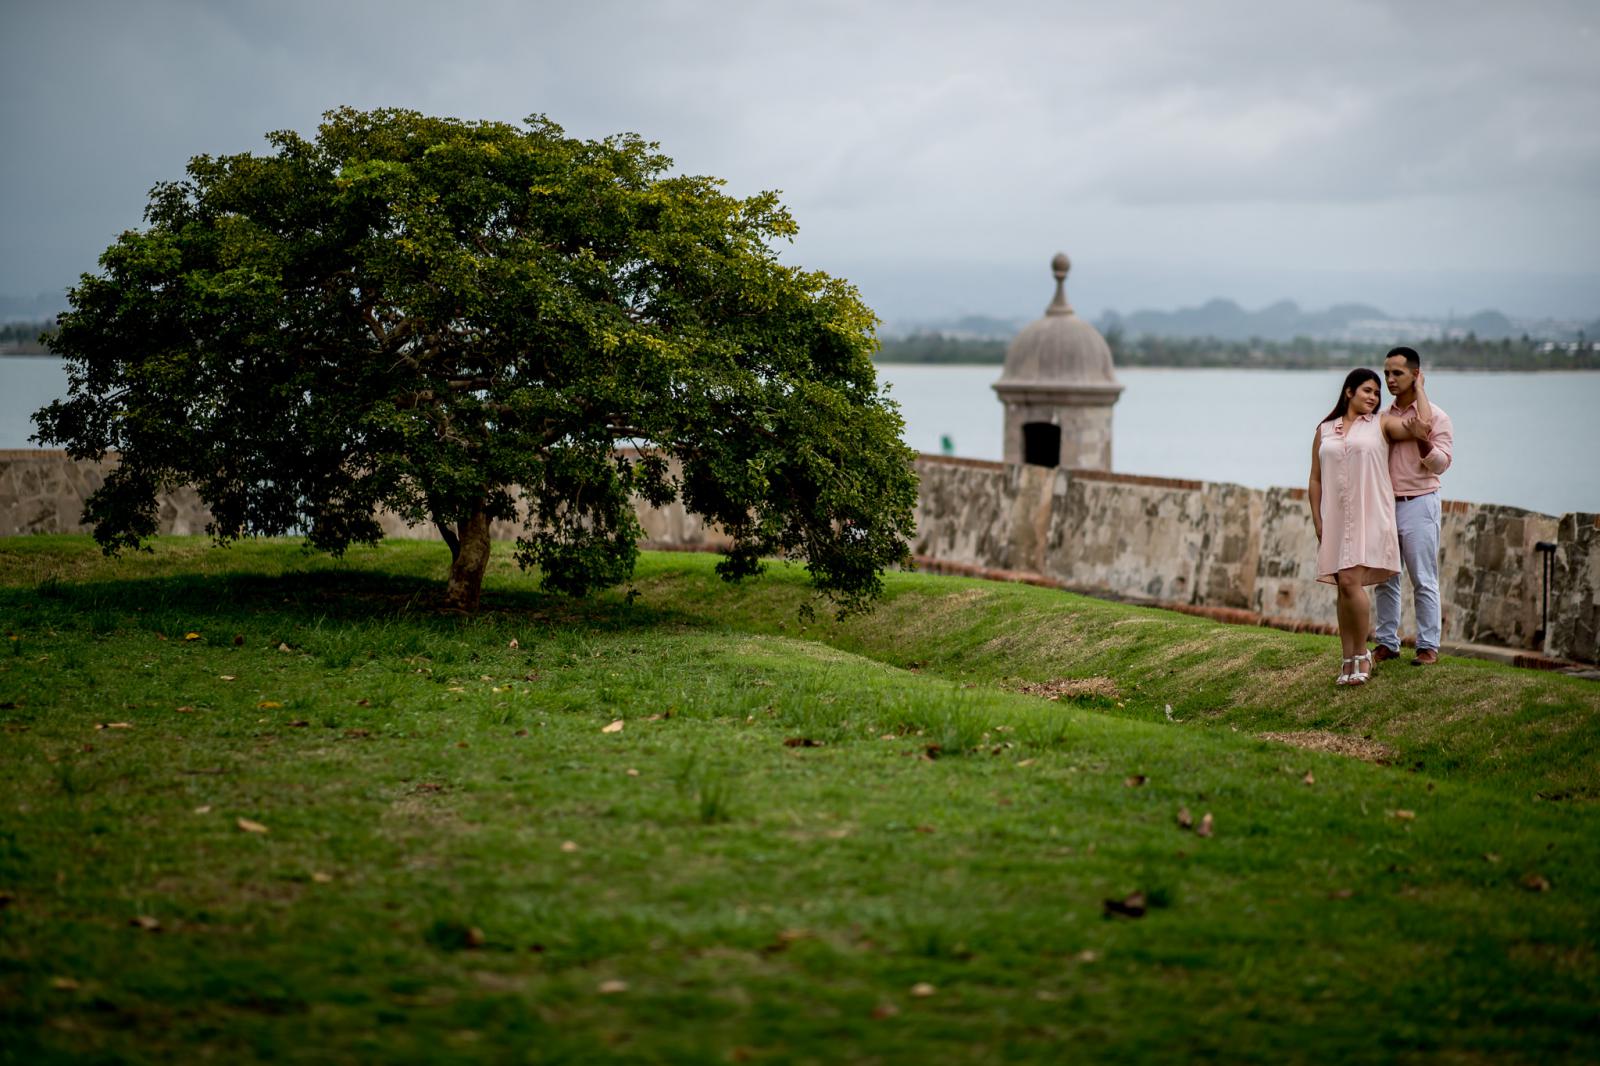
pixel 1334 744
pixel 1071 688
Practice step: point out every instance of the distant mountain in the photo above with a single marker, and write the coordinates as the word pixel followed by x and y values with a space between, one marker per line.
pixel 1487 325
pixel 1226 320
pixel 46 305
pixel 967 327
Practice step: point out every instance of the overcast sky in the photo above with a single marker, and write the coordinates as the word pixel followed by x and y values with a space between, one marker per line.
pixel 1423 157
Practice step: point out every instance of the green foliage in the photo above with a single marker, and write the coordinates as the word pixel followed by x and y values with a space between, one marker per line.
pixel 426 314
pixel 25 338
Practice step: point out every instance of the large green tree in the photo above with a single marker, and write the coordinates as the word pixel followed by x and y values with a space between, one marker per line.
pixel 467 321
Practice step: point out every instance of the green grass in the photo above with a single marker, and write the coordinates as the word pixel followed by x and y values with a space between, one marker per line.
pixel 798 823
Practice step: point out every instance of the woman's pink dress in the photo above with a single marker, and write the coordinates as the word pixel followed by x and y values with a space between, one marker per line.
pixel 1358 527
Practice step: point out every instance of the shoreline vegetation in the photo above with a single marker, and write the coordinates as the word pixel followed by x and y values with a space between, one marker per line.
pixel 1305 353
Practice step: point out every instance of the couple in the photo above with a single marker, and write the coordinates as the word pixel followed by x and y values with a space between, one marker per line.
pixel 1374 496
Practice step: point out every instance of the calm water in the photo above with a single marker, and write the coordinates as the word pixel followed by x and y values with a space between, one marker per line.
pixel 1530 440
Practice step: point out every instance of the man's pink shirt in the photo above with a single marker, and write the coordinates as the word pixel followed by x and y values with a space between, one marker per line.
pixel 1413 473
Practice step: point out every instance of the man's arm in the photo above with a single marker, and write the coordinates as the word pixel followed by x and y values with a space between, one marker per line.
pixel 1437 449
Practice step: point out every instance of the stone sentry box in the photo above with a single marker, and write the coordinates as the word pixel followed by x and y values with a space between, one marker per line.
pixel 1058 388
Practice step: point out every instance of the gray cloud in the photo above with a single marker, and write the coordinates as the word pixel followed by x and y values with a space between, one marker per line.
pixel 1284 149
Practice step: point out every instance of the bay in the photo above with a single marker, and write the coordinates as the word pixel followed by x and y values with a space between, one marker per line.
pixel 1528 440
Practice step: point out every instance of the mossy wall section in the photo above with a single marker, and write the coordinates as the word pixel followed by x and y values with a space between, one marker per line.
pixel 1158 540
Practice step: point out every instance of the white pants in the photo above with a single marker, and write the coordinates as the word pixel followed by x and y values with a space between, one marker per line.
pixel 1418 523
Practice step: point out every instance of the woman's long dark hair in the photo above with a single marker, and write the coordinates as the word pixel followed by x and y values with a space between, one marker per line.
pixel 1347 391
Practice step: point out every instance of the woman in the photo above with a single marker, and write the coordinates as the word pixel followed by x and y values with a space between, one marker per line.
pixel 1350 452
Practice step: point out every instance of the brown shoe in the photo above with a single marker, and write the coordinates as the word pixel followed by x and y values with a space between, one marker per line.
pixel 1425 657
pixel 1381 654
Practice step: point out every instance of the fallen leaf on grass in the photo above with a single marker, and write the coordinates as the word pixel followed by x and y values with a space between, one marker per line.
pixel 1129 906
pixel 251 827
pixel 569 846
pixel 1134 780
pixel 1491 857
pixel 268 705
pixel 932 751
pixel 631 772
pixel 203 810
pixel 1534 883
pixel 284 647
pixel 299 723
pixel 1404 816
pixel 1341 893
pixel 922 990
pixel 238 640
pixel 1310 778
pixel 782 941
pixel 1088 955
pixel 1206 826
pixel 1027 762
pixel 226 677
pixel 802 742
pixel 65 984
pixel 146 922
pixel 1185 819
pixel 513 645
pixel 357 734
pixel 614 727
pixel 185 709
pixel 611 988
pixel 113 725
pixel 321 878
pixel 925 829
pixel 884 1010
pixel 191 636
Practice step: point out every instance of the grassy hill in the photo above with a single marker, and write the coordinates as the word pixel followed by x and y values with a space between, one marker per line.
pixel 258 804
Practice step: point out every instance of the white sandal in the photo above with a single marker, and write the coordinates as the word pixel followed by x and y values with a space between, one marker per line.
pixel 1360 677
pixel 1346 678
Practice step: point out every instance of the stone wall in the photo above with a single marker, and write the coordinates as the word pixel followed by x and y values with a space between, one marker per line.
pixel 1204 544
pixel 1575 590
pixel 1160 540
pixel 43 492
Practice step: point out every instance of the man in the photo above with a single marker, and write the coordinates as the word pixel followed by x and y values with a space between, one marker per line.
pixel 1414 468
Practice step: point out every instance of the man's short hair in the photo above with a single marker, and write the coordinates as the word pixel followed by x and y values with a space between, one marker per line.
pixel 1413 360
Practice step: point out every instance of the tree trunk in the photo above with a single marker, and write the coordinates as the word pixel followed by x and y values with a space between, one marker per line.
pixel 469 553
